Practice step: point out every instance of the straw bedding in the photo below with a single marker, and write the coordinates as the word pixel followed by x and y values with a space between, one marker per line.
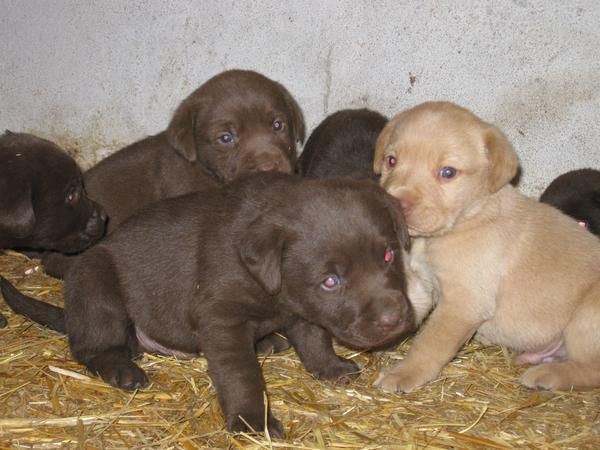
pixel 49 401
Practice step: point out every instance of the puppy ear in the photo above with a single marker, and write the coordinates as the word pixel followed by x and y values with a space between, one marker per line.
pixel 383 141
pixel 17 217
pixel 299 128
pixel 261 251
pixel 182 128
pixel 395 209
pixel 502 159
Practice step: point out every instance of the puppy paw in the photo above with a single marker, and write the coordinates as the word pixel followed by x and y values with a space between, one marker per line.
pixel 126 376
pixel 551 377
pixel 254 422
pixel 402 378
pixel 343 370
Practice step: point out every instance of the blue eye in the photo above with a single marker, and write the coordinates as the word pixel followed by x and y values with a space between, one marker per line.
pixel 447 172
pixel 225 138
pixel 331 282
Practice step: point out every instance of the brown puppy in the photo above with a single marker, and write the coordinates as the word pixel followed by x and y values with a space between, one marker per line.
pixel 236 122
pixel 43 204
pixel 342 145
pixel 513 271
pixel 215 271
pixel 577 194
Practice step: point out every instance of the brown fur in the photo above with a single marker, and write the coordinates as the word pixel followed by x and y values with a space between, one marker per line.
pixel 513 271
pixel 238 264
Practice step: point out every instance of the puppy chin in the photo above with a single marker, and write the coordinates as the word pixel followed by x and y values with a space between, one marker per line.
pixel 426 228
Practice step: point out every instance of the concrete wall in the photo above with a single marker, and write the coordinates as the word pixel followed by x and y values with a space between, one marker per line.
pixel 95 75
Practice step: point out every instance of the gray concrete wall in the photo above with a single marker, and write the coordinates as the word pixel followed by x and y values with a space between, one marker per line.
pixel 95 75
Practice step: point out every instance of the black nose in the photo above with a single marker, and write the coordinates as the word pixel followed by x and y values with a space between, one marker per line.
pixel 388 320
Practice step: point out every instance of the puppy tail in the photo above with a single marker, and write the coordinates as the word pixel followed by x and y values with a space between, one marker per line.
pixel 43 313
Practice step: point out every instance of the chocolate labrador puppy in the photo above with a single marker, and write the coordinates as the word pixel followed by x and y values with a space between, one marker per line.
pixel 215 271
pixel 43 204
pixel 342 145
pixel 236 122
pixel 577 194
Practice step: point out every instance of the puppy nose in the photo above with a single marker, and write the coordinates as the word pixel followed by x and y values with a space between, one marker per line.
pixel 267 166
pixel 388 320
pixel 99 213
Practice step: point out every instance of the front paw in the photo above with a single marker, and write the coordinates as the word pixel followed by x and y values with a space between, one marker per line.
pixel 402 378
pixel 254 422
pixel 342 370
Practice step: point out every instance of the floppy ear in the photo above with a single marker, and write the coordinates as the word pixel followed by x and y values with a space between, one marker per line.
pixel 383 141
pixel 17 217
pixel 261 251
pixel 395 210
pixel 182 128
pixel 298 127
pixel 503 163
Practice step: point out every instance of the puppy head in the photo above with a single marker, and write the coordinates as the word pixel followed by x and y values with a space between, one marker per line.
pixel 50 204
pixel 333 256
pixel 577 194
pixel 585 209
pixel 442 162
pixel 238 122
pixel 342 145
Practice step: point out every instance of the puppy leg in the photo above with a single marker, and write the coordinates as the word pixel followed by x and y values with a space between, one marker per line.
pixel 581 370
pixel 237 377
pixel 56 264
pixel 442 336
pixel 315 350
pixel 97 323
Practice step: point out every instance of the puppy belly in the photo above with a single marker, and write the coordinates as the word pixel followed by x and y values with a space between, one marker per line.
pixel 550 350
pixel 147 344
pixel 554 352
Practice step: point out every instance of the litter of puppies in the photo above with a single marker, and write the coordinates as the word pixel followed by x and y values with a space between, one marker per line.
pixel 265 260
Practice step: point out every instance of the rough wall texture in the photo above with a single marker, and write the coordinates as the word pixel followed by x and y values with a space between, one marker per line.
pixel 97 75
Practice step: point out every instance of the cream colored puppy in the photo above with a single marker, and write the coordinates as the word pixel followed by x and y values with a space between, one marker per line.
pixel 512 271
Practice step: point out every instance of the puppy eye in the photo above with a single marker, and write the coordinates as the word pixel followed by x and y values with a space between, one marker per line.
pixel 331 283
pixel 72 196
pixel 390 255
pixel 447 172
pixel 391 161
pixel 278 125
pixel 225 138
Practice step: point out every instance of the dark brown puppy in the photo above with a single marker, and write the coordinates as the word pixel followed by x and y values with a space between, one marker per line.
pixel 43 204
pixel 577 194
pixel 215 271
pixel 342 145
pixel 237 122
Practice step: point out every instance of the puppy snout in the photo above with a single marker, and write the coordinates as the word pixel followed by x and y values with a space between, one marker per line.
pixel 267 166
pixel 99 214
pixel 388 320
pixel 95 226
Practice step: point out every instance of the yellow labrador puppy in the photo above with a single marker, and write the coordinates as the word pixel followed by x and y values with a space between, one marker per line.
pixel 512 271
